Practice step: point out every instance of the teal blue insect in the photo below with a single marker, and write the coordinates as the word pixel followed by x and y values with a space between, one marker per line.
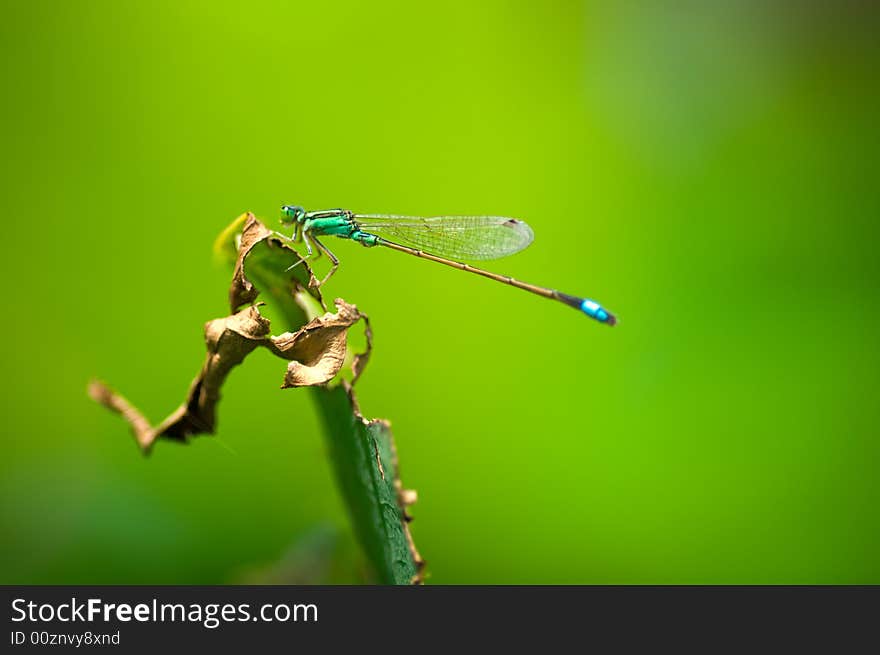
pixel 442 239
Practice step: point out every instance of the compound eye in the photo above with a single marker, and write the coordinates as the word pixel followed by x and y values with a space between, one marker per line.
pixel 292 212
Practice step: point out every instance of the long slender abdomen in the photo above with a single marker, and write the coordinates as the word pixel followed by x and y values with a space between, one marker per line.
pixel 589 307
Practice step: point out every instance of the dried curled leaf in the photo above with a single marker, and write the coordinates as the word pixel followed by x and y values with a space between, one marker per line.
pixel 316 352
pixel 229 340
pixel 242 291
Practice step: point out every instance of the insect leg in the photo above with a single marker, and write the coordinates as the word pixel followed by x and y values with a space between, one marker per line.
pixel 308 241
pixel 294 265
pixel 333 259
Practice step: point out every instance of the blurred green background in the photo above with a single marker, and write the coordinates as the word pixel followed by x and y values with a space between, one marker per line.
pixel 708 172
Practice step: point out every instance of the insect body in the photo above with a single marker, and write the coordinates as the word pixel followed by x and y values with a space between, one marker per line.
pixel 443 239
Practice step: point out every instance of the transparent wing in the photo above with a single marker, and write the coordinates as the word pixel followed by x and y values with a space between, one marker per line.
pixel 456 237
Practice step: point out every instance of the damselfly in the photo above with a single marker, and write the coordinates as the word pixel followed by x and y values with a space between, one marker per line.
pixel 442 239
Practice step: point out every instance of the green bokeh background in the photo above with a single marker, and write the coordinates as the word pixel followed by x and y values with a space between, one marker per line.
pixel 709 173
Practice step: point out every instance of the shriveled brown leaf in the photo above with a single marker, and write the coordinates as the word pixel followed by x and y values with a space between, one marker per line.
pixel 242 291
pixel 140 426
pixel 316 352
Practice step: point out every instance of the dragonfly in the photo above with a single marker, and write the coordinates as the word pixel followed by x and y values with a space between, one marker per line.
pixel 441 239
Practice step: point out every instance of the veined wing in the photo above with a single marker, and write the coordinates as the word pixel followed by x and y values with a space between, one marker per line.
pixel 455 237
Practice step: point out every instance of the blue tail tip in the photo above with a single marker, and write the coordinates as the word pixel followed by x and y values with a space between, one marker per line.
pixel 594 310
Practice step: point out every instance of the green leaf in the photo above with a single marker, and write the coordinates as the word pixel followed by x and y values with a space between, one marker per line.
pixel 365 464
